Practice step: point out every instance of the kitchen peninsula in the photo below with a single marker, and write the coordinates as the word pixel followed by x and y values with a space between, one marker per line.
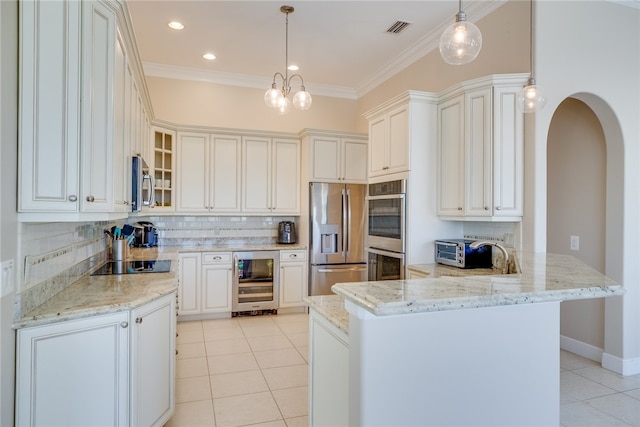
pixel 446 350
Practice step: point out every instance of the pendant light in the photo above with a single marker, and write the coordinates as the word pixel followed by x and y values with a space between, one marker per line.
pixel 279 98
pixel 461 42
pixel 531 98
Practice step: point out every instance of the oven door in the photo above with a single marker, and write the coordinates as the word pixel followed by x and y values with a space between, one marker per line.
pixel 386 222
pixel 385 265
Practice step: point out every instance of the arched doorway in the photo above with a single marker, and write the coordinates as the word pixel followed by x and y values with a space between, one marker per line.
pixel 584 198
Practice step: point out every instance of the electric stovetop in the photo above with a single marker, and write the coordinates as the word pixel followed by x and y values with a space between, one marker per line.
pixel 133 267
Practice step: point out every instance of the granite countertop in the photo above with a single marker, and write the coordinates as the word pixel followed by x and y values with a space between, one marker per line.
pixel 543 277
pixel 240 248
pixel 96 295
pixel 332 308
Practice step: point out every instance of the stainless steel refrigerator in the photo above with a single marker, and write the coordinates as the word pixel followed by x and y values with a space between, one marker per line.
pixel 337 218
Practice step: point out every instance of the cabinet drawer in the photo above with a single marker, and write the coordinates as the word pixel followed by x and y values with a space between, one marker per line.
pixel 216 257
pixel 300 255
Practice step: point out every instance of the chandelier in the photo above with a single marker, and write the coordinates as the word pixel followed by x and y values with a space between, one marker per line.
pixel 279 98
pixel 461 42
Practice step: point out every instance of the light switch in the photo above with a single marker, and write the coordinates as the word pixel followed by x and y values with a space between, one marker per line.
pixel 6 280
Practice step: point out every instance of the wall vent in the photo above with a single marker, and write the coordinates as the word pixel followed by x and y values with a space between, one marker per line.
pixel 398 27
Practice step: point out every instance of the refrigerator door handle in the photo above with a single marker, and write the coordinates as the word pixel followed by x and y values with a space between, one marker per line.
pixel 332 270
pixel 344 222
pixel 347 231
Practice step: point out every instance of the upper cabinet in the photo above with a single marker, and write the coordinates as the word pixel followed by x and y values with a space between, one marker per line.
pixel 396 131
pixel 270 175
pixel 163 166
pixel 336 157
pixel 76 126
pixel 480 151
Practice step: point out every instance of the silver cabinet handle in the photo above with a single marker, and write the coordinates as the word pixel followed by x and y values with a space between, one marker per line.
pixel 293 255
pixel 459 208
pixel 217 258
pixel 124 324
pixel 498 208
pixel 72 198
pixel 91 199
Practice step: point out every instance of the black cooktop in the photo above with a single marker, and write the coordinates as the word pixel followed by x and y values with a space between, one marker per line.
pixel 133 267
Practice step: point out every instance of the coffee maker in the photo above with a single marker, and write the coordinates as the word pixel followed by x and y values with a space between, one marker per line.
pixel 287 232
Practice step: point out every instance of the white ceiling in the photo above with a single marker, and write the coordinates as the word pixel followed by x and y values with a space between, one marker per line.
pixel 342 47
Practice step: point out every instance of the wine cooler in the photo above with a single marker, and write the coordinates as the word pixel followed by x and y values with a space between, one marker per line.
pixel 255 283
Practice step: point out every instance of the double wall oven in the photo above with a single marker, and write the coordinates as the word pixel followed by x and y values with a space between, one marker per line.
pixel 386 220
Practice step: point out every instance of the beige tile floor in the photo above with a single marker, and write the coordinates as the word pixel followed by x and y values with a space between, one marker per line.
pixel 252 371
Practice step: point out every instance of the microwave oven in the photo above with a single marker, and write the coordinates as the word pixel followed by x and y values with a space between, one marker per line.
pixel 457 253
pixel 142 194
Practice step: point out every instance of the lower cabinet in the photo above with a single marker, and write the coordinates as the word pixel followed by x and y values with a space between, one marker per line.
pixel 293 278
pixel 115 369
pixel 329 373
pixel 205 281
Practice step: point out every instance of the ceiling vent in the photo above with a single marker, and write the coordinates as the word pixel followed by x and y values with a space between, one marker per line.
pixel 397 27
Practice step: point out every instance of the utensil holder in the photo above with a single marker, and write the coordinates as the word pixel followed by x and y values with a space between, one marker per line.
pixel 119 250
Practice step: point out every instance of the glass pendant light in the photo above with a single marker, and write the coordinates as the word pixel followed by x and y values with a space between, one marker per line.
pixel 531 98
pixel 461 42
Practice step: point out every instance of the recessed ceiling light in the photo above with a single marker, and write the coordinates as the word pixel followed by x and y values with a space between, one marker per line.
pixel 293 68
pixel 209 56
pixel 175 25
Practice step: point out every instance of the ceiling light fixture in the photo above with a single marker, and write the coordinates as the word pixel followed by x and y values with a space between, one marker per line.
pixel 175 25
pixel 278 98
pixel 530 98
pixel 461 41
pixel 209 56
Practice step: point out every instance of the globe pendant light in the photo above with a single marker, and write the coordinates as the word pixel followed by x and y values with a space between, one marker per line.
pixel 278 98
pixel 461 42
pixel 531 98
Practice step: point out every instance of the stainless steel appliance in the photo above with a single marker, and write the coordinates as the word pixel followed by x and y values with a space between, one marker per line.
pixel 287 232
pixel 458 253
pixel 386 203
pixel 255 281
pixel 385 265
pixel 336 241
pixel 142 184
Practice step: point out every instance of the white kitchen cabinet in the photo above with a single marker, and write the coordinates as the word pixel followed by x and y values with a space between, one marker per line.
pixel 480 149
pixel 389 135
pixel 328 373
pixel 293 278
pixel 205 281
pixel 121 140
pixel 415 274
pixel 153 355
pixel 208 173
pixel 74 373
pixel 270 176
pixel 336 158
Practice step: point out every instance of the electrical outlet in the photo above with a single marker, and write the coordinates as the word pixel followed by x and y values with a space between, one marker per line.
pixel 6 278
pixel 575 243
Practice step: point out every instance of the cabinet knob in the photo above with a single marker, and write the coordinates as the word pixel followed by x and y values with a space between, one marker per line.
pixel 91 199
pixel 72 198
pixel 498 208
pixel 138 320
pixel 126 202
pixel 293 255
pixel 486 208
pixel 124 324
pixel 385 168
pixel 459 208
pixel 217 258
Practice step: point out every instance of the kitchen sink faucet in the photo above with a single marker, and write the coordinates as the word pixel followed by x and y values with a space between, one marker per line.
pixel 505 254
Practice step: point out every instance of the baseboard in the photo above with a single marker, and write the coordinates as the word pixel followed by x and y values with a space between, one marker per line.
pixel 621 366
pixel 580 348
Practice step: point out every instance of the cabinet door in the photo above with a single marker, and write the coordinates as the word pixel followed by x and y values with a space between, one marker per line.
pixel 224 173
pixel 293 284
pixel 49 105
pixel 377 146
pixel 99 39
pixel 256 175
pixel 216 288
pixel 74 373
pixel 478 182
pixel 451 157
pixel 398 141
pixel 153 362
pixel 192 182
pixel 326 159
pixel 189 283
pixel 121 154
pixel 508 136
pixel 285 175
pixel 354 161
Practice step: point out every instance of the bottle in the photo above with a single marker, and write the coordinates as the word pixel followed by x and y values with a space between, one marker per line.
pixel 240 269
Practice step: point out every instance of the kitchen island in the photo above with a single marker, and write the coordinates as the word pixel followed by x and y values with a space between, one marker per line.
pixel 449 349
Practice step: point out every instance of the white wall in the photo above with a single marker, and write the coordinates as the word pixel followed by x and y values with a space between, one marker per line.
pixel 8 222
pixel 590 50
